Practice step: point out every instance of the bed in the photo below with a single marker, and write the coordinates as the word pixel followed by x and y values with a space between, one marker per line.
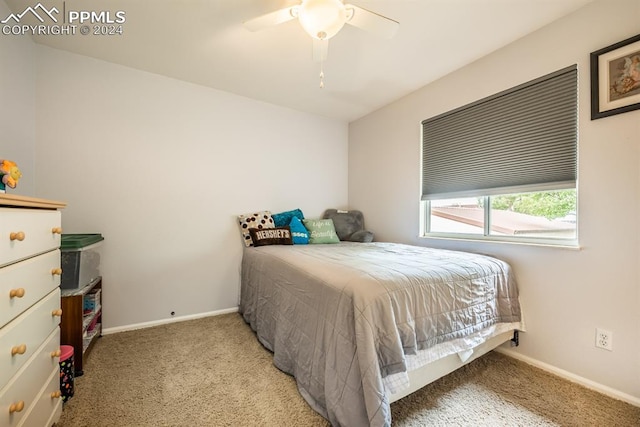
pixel 360 325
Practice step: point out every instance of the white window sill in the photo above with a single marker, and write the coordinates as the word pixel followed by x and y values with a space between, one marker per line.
pixel 571 245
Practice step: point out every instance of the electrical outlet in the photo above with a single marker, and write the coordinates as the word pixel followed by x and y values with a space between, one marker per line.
pixel 604 339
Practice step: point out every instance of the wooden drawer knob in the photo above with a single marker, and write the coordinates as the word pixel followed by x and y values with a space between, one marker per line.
pixel 56 230
pixel 56 394
pixel 19 236
pixel 56 271
pixel 18 349
pixel 57 312
pixel 16 293
pixel 16 407
pixel 56 353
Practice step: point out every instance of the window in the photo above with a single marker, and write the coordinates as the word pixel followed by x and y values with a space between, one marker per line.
pixel 504 168
pixel 535 216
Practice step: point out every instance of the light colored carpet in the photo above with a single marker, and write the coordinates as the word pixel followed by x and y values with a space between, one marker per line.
pixel 214 372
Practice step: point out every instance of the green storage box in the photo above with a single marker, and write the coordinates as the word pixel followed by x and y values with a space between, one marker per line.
pixel 80 259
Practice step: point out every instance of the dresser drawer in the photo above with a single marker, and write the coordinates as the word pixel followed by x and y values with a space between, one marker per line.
pixel 27 232
pixel 28 281
pixel 27 386
pixel 47 408
pixel 30 329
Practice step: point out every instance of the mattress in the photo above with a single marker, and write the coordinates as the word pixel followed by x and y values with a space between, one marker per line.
pixel 343 317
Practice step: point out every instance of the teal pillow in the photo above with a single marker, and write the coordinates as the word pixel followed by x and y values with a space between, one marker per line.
pixel 321 231
pixel 284 218
pixel 298 232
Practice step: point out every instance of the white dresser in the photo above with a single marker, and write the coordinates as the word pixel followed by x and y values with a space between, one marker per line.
pixel 30 311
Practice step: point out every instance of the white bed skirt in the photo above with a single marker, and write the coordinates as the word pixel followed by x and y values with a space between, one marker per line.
pixel 432 365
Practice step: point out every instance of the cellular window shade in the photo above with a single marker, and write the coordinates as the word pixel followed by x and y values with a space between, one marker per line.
pixel 522 139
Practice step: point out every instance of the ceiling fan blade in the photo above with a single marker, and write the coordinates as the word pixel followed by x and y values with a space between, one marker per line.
pixel 372 22
pixel 271 19
pixel 320 49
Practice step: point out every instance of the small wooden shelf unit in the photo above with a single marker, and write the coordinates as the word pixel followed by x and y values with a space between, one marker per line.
pixel 74 322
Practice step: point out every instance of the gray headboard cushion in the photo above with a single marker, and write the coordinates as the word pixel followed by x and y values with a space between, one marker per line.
pixel 349 225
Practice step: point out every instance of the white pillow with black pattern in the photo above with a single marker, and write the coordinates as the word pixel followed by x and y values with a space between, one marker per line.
pixel 257 220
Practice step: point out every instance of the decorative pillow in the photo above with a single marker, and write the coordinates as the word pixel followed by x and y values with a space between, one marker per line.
pixel 284 218
pixel 321 231
pixel 362 236
pixel 299 233
pixel 271 236
pixel 347 224
pixel 257 220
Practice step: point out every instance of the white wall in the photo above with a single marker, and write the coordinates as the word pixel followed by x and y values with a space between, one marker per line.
pixel 566 293
pixel 162 167
pixel 17 105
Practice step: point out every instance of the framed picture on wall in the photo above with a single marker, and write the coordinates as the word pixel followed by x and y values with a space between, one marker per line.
pixel 615 78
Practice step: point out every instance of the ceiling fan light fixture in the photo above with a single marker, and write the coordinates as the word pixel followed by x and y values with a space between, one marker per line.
pixel 322 19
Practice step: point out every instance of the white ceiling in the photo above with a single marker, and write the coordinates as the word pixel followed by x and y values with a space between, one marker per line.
pixel 204 42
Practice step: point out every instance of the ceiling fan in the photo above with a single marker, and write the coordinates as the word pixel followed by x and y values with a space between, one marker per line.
pixel 323 19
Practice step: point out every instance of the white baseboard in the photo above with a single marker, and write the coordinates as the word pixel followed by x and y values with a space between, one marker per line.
pixel 143 325
pixel 608 391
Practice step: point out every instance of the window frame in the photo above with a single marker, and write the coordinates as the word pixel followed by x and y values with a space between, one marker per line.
pixel 486 236
pixel 486 193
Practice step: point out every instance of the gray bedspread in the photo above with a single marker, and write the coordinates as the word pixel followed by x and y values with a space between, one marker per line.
pixel 340 317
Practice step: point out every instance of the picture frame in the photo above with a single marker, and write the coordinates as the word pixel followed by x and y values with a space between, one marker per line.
pixel 615 78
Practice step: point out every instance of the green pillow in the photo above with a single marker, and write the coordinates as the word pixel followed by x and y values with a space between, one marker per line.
pixel 321 231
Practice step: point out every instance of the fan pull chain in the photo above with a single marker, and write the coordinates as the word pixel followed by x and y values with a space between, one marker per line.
pixel 321 75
